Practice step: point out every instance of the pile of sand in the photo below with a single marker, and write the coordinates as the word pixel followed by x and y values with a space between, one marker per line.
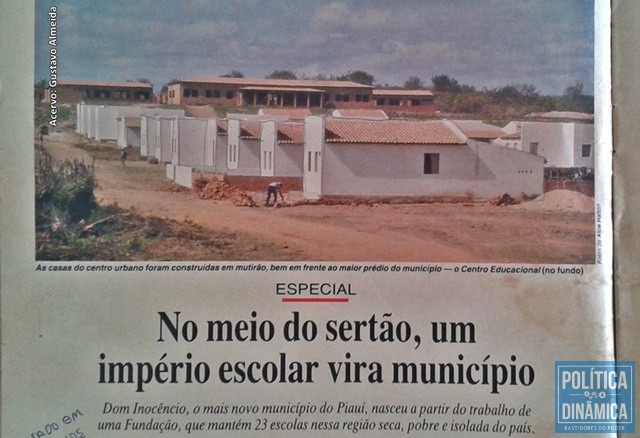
pixel 564 200
pixel 218 190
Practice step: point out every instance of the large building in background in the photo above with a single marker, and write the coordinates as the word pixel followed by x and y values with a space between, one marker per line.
pixel 297 94
pixel 70 91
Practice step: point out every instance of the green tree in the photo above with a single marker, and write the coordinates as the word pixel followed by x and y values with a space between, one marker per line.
pixel 574 91
pixel 445 83
pixel 233 74
pixel 281 74
pixel 358 76
pixel 573 99
pixel 515 94
pixel 38 89
pixel 413 83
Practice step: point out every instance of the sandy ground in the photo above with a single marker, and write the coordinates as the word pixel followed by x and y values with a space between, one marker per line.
pixel 405 233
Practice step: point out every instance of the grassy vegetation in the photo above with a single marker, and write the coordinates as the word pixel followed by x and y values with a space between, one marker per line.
pixel 66 114
pixel 70 225
pixel 64 192
pixel 113 234
pixel 223 110
pixel 108 151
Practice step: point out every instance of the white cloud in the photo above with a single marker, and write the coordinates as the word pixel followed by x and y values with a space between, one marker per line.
pixel 483 43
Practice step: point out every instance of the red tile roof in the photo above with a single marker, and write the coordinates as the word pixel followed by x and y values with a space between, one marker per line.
pixel 362 113
pixel 292 133
pixel 396 92
pixel 389 131
pixel 300 89
pixel 292 113
pixel 132 122
pixel 277 82
pixel 222 127
pixel 479 130
pixel 250 130
pixel 105 84
pixel 482 135
pixel 512 136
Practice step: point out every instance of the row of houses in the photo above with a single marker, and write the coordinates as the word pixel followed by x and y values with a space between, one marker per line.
pixel 117 122
pixel 73 91
pixel 345 156
pixel 241 92
pixel 341 157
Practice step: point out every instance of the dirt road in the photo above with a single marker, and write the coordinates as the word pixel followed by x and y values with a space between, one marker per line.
pixel 408 233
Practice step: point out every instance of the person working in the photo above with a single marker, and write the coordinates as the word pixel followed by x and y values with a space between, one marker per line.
pixel 274 189
pixel 123 156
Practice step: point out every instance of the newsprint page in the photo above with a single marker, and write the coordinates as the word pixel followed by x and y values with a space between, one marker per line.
pixel 309 218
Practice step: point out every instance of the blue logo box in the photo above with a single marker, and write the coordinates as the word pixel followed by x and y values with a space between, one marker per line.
pixel 596 397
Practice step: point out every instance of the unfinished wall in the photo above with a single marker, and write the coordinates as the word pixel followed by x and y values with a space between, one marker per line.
pixel 515 172
pixel 248 157
pixel 220 154
pixel 267 148
pixel 314 129
pixel 288 159
pixel 133 136
pixel 182 175
pixel 191 142
pixel 163 152
pixel 78 118
pixel 148 136
pixel 92 121
pixel 122 133
pixel 144 137
pixel 278 159
pixel 233 141
pixel 583 135
pixel 104 119
pixel 106 127
pixel 211 142
pixel 170 171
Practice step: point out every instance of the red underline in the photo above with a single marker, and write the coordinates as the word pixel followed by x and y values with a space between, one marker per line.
pixel 315 300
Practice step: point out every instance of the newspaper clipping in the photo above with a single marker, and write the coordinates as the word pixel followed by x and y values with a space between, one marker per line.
pixel 329 218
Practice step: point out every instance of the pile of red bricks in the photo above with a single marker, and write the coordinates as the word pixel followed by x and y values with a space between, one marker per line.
pixel 218 190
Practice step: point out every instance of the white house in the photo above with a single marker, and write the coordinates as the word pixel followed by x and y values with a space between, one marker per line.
pixel 100 122
pixel 351 158
pixel 281 149
pixel 243 147
pixel 560 144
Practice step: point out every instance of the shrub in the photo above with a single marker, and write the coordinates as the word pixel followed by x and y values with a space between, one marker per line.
pixel 63 192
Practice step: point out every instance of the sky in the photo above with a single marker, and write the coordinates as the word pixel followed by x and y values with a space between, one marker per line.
pixel 484 43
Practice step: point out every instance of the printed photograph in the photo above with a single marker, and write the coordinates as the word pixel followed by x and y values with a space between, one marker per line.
pixel 347 131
